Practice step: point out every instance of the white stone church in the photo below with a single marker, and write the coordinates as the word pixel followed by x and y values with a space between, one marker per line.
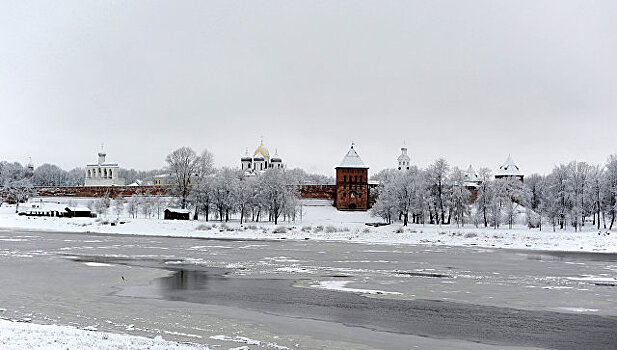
pixel 103 174
pixel 261 160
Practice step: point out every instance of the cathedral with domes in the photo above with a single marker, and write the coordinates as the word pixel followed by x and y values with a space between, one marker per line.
pixel 261 160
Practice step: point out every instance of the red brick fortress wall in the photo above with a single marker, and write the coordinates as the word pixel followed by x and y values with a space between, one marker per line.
pixel 97 191
pixel 317 191
pixel 306 191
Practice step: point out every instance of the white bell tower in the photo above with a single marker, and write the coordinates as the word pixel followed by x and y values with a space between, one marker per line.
pixel 403 159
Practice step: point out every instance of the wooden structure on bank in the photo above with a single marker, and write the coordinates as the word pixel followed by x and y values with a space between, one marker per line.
pixel 176 214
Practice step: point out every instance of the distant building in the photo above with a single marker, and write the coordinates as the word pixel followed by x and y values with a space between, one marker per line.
pixel 472 183
pixel 352 189
pixel 162 179
pixel 472 180
pixel 509 170
pixel 404 160
pixel 29 169
pixel 102 173
pixel 57 210
pixel 261 160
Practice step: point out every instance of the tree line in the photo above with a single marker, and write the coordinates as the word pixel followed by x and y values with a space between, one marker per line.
pixel 572 195
pixel 194 184
pixel 221 193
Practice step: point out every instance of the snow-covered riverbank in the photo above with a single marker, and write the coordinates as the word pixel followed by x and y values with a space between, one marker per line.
pixel 21 335
pixel 323 222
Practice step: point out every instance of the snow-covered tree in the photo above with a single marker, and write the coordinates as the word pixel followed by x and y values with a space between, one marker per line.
pixel 610 190
pixel 559 195
pixel 146 206
pixel 101 205
pixel 10 172
pixel 224 185
pixel 245 196
pixel 185 165
pixel 596 193
pixel 276 193
pixel 158 204
pixel 386 206
pixel 49 175
pixel 499 198
pixel 75 177
pixel 460 195
pixel 132 205
pixel 401 195
pixel 201 196
pixel 17 191
pixel 119 203
pixel 579 177
pixel 439 190
pixel 485 195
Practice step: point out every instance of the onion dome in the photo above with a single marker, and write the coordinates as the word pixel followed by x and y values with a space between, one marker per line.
pixel 246 157
pixel 404 157
pixel 276 158
pixel 261 150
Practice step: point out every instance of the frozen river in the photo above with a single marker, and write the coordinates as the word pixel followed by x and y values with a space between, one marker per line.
pixel 310 295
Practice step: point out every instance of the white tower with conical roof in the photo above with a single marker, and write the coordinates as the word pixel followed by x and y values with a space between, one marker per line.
pixel 509 169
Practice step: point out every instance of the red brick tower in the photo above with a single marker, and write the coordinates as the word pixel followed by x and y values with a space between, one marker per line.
pixel 352 183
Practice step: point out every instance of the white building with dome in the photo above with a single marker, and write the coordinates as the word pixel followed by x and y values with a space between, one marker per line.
pixel 102 173
pixel 261 160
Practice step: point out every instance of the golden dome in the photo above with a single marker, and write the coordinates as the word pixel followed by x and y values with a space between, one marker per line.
pixel 261 150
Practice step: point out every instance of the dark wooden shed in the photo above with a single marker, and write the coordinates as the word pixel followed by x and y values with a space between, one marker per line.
pixel 177 214
pixel 78 212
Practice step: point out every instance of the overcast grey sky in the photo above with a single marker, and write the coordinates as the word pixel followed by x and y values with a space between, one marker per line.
pixel 470 81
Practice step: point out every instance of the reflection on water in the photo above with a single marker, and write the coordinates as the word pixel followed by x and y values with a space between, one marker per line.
pixel 186 280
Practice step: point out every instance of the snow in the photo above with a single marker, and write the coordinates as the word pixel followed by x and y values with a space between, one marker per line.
pixel 341 286
pixel 178 210
pixel 509 168
pixel 578 309
pixel 321 221
pixel 78 209
pixel 352 160
pixel 96 264
pixel 20 335
pixel 236 339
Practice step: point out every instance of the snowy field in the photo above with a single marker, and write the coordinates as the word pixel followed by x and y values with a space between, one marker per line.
pixel 321 221
pixel 20 335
